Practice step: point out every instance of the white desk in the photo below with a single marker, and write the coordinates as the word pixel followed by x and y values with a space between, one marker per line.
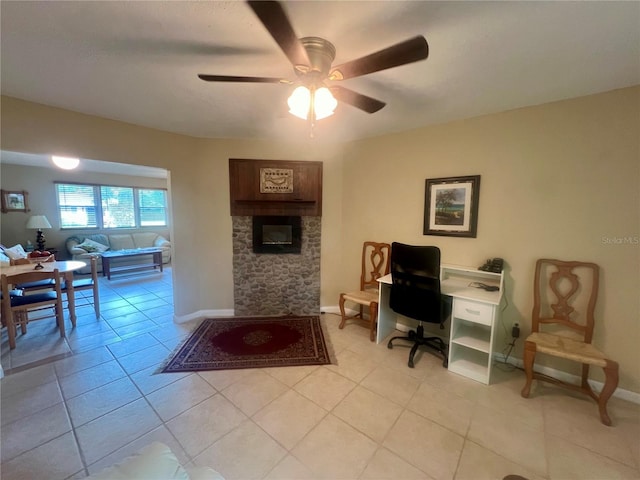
pixel 474 318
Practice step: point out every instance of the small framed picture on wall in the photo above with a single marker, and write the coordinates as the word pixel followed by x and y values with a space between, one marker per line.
pixel 451 206
pixel 15 201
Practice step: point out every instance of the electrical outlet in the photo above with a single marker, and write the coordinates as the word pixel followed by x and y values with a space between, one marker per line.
pixel 515 330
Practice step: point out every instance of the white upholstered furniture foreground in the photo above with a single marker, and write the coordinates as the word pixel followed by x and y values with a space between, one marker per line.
pixel 154 462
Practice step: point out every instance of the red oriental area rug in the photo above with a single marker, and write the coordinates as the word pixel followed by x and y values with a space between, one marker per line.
pixel 251 342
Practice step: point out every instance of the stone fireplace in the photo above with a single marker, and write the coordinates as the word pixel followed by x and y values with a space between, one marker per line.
pixel 278 282
pixel 276 212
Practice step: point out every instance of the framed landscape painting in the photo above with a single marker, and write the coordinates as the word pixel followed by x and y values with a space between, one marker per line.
pixel 14 201
pixel 451 206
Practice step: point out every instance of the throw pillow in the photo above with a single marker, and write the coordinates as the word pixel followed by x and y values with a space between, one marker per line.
pixel 15 252
pixel 92 247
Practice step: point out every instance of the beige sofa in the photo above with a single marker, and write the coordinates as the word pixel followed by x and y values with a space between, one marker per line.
pixel 83 247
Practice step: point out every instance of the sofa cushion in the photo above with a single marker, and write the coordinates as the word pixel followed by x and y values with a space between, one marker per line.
pixel 92 247
pixel 144 240
pixel 99 237
pixel 121 242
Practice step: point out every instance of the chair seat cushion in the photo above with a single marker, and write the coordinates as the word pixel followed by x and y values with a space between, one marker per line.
pixel 34 298
pixel 80 283
pixel 13 293
pixel 569 348
pixel 363 297
pixel 39 284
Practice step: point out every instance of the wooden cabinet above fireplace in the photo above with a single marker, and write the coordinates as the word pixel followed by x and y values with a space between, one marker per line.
pixel 275 187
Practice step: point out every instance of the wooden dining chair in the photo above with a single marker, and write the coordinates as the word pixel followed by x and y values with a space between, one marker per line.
pixel 31 286
pixel 19 310
pixel 374 264
pixel 91 283
pixel 562 324
pixel 3 304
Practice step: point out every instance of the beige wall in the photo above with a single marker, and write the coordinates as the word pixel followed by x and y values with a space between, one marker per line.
pixel 199 187
pixel 39 182
pixel 558 180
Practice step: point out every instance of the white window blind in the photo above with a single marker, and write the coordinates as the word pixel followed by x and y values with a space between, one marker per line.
pixel 118 210
pixel 77 204
pixel 152 206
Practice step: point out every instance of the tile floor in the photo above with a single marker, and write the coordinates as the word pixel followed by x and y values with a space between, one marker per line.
pixel 71 407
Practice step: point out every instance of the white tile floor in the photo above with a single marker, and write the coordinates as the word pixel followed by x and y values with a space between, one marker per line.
pixel 94 399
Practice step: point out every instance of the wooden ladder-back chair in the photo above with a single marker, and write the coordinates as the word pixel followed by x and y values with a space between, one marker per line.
pixel 375 264
pixel 91 283
pixel 32 286
pixel 17 309
pixel 559 288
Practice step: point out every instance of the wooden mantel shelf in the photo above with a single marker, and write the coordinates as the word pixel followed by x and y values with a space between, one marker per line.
pixel 302 198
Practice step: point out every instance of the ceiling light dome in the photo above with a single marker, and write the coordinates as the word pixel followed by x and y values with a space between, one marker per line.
pixel 66 163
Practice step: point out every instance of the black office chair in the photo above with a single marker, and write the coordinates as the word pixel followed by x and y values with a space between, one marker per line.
pixel 415 293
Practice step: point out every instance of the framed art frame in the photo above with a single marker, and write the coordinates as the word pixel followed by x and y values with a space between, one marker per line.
pixel 15 201
pixel 451 206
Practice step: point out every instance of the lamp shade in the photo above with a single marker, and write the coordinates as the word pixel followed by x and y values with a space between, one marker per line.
pixel 299 102
pixel 324 103
pixel 38 222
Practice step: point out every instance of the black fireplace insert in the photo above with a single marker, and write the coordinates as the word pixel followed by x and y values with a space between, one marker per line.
pixel 277 234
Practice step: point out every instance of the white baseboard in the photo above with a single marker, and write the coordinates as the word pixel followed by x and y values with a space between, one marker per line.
pixel 564 376
pixel 201 314
pixel 334 309
pixel 571 378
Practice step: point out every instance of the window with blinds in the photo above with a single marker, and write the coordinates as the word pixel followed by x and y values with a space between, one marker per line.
pixel 118 210
pixel 152 206
pixel 77 206
pixel 106 206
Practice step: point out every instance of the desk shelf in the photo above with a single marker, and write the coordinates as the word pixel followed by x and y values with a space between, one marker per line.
pixel 474 318
pixel 470 367
pixel 475 337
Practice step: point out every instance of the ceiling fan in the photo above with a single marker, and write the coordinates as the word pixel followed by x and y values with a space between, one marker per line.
pixel 316 97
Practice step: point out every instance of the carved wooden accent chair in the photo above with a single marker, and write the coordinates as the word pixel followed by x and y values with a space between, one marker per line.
pixel 559 288
pixel 375 264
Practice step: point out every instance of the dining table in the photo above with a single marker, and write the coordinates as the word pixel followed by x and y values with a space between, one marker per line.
pixel 64 267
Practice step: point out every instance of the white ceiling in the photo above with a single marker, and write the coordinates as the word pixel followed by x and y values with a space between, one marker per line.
pixel 137 61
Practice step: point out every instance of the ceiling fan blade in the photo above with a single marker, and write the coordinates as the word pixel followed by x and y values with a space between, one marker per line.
pixel 231 78
pixel 358 100
pixel 409 51
pixel 275 20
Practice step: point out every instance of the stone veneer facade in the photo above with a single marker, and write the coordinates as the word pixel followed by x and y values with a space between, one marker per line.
pixel 276 284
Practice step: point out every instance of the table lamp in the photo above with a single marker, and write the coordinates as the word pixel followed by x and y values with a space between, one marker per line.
pixel 39 222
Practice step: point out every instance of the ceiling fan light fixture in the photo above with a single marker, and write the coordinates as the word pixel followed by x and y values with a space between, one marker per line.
pixel 66 163
pixel 299 102
pixel 323 103
pixel 302 100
